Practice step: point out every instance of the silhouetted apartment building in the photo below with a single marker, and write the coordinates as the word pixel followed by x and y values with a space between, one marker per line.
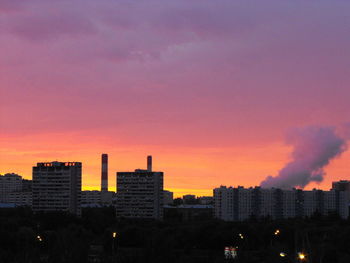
pixel 57 187
pixel 90 198
pixel 15 191
pixel 189 199
pixel 9 183
pixel 168 197
pixel 342 185
pixel 140 193
pixel 97 198
pixel 205 200
pixel 238 204
pixel 19 198
pixel 26 185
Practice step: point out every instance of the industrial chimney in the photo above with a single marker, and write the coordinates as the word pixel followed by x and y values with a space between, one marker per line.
pixel 149 163
pixel 104 173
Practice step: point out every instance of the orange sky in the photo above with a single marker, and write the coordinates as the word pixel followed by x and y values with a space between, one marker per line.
pixel 209 88
pixel 187 169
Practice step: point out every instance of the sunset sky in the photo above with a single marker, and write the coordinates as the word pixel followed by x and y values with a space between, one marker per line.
pixel 209 88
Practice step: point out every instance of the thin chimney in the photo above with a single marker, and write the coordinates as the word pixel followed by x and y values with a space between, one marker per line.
pixel 149 163
pixel 104 172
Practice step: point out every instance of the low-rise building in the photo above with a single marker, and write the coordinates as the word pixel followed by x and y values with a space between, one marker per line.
pixel 205 200
pixel 9 183
pixel 91 198
pixel 168 197
pixel 15 191
pixel 189 199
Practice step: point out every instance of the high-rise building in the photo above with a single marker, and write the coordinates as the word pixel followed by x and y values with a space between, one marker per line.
pixel 238 204
pixel 342 185
pixel 57 187
pixel 140 194
pixel 104 172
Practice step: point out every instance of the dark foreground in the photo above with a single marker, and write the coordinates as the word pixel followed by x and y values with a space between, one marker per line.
pixel 25 237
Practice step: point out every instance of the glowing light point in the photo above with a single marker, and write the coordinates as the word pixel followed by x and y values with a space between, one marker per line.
pixel 301 256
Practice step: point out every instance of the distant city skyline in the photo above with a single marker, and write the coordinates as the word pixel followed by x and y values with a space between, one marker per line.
pixel 211 89
pixel 177 193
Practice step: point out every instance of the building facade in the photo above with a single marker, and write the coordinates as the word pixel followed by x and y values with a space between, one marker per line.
pixel 14 190
pixel 96 198
pixel 238 204
pixel 342 185
pixel 56 186
pixel 205 200
pixel 19 198
pixel 9 183
pixel 140 194
pixel 26 185
pixel 90 198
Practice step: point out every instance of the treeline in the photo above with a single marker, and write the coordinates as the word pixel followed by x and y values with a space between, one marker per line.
pixel 25 237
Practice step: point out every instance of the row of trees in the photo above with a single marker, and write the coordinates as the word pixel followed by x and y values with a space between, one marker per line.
pixel 25 237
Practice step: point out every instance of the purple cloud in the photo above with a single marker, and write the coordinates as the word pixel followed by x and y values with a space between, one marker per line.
pixel 222 67
pixel 52 26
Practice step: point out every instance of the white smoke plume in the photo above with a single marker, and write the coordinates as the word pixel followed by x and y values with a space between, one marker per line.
pixel 313 149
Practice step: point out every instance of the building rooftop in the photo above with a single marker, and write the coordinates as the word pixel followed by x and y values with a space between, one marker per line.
pixel 190 206
pixel 58 164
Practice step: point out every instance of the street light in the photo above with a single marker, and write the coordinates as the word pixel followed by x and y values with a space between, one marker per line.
pixel 39 238
pixel 282 254
pixel 114 236
pixel 241 236
pixel 301 256
pixel 277 232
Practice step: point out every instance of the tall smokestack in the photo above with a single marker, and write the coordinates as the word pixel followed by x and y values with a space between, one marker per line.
pixel 149 163
pixel 104 173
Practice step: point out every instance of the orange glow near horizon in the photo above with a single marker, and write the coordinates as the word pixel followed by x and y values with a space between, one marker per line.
pixel 187 170
pixel 210 90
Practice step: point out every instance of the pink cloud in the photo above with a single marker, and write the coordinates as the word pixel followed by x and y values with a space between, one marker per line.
pixel 51 26
pixel 9 6
pixel 183 72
